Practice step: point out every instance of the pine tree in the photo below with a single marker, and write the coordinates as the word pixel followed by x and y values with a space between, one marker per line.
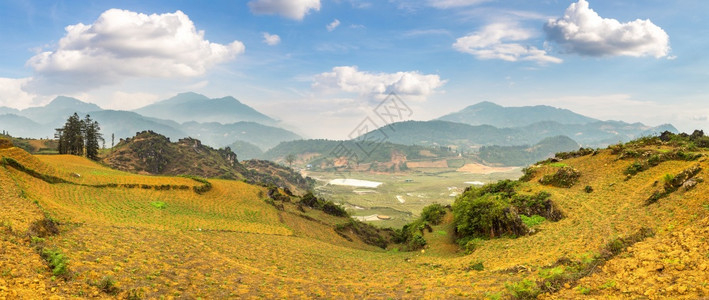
pixel 78 135
pixel 91 130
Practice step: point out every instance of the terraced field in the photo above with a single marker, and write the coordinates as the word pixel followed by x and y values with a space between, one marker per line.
pixel 229 242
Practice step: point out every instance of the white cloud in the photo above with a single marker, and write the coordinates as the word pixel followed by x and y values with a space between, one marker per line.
pixel 349 79
pixel 292 9
pixel 499 41
pixel 443 4
pixel 129 101
pixel 582 31
pixel 13 95
pixel 333 25
pixel 271 39
pixel 123 44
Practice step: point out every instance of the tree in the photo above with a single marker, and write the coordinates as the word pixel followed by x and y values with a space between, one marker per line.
pixel 71 137
pixel 79 136
pixel 92 136
pixel 290 158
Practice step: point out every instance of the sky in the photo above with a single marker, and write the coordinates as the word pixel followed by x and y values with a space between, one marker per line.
pixel 322 66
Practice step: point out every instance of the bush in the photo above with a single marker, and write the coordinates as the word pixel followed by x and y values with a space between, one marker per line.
pixel 525 289
pixel 108 285
pixel 56 260
pixel 634 168
pixel 433 213
pixel 565 177
pixel 486 216
pixel 588 189
pixel 331 208
pixel 528 173
pixel 310 200
pixel 43 228
pixel 478 266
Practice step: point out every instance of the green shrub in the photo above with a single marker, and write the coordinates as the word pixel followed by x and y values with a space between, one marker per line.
pixel 478 266
pixel 331 208
pixel 433 213
pixel 108 285
pixel 56 260
pixel 588 189
pixel 528 173
pixel 565 177
pixel 634 168
pixel 525 289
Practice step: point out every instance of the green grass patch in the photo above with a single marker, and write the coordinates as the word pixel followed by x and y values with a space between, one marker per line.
pixel 158 204
pixel 533 220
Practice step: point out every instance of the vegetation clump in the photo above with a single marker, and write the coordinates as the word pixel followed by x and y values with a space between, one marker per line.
pixel 43 228
pixel 564 177
pixel 411 235
pixel 574 154
pixel 494 210
pixel 56 260
pixel 673 182
pixel 326 206
pixel 433 213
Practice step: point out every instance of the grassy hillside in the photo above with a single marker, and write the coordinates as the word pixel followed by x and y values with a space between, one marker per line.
pixel 615 239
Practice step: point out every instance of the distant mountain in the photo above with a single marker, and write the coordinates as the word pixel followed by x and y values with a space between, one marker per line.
pixel 23 127
pixel 323 152
pixel 124 124
pixel 40 122
pixel 245 150
pixel 469 137
pixel 7 110
pixel 488 113
pixel 596 134
pixel 525 155
pixel 443 133
pixel 57 111
pixel 193 107
pixel 220 135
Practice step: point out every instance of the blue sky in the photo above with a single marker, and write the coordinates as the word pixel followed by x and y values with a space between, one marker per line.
pixel 321 66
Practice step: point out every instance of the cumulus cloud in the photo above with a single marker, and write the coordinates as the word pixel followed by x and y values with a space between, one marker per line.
pixel 292 9
pixel 333 25
pixel 123 44
pixel 12 93
pixel 582 31
pixel 501 41
pixel 351 80
pixel 271 39
pixel 443 4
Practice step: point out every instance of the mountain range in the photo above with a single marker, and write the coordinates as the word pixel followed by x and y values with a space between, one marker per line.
pixel 225 121
pixel 488 113
pixel 187 114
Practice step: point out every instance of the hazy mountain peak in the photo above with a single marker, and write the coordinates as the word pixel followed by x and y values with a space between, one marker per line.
pixel 64 102
pixel 483 104
pixel 489 113
pixel 191 106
